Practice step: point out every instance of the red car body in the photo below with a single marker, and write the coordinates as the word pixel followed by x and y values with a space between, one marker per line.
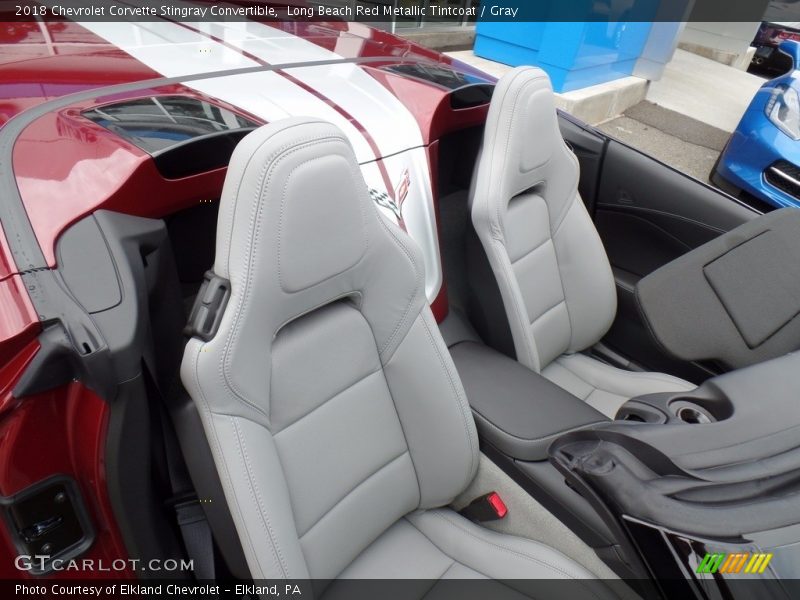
pixel 66 166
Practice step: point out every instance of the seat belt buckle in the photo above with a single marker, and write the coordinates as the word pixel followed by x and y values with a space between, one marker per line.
pixel 489 507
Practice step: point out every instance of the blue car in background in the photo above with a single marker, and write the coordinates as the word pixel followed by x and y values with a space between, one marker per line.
pixel 761 161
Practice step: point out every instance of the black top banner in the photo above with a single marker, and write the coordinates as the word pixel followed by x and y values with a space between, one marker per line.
pixel 383 11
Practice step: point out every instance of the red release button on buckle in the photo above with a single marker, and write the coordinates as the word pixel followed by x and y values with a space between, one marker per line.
pixel 496 502
pixel 489 507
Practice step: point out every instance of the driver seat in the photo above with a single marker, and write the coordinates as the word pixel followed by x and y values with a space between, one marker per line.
pixel 554 277
pixel 335 416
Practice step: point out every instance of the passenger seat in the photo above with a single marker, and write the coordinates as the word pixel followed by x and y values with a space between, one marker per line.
pixel 549 262
pixel 336 418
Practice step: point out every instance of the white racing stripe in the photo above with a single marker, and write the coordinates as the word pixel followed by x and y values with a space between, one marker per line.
pixel 388 121
pixel 175 49
pixel 172 51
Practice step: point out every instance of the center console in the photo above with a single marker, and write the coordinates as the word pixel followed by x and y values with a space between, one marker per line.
pixel 519 414
pixel 695 491
pixel 713 471
pixel 516 410
pixel 675 478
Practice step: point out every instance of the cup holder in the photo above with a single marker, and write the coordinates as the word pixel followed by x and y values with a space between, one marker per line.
pixel 665 407
pixel 691 413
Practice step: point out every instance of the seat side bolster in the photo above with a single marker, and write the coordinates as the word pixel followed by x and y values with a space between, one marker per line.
pixel 441 435
pixel 246 458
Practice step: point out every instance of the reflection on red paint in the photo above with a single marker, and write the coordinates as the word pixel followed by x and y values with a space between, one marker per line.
pixel 60 432
pixel 42 61
pixel 19 323
pixel 89 168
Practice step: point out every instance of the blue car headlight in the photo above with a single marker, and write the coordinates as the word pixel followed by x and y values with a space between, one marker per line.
pixel 783 110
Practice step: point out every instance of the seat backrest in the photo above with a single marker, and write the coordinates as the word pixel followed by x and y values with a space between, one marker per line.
pixel 329 399
pixel 550 265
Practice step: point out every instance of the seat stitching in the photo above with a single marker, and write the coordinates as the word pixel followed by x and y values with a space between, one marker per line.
pixel 364 231
pixel 418 280
pixel 598 403
pixel 460 401
pixel 394 405
pixel 529 252
pixel 255 495
pixel 262 173
pixel 229 216
pixel 326 401
pixel 403 431
pixel 505 549
pixel 452 564
pixel 557 363
pixel 437 580
pixel 502 548
pixel 352 490
pixel 596 388
pixel 505 127
pixel 496 248
pixel 560 276
pixel 543 313
pixel 508 281
pixel 253 239
pixel 649 375
pixel 355 296
pixel 519 553
pixel 562 218
pixel 510 119
pixel 218 447
pixel 481 573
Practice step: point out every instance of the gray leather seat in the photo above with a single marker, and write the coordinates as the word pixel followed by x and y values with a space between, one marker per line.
pixel 552 270
pixel 336 418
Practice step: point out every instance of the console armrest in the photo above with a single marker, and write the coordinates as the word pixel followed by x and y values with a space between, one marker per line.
pixel 735 299
pixel 517 410
pixel 701 475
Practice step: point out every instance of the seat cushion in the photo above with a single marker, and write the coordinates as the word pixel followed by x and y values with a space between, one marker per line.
pixel 604 387
pixel 435 545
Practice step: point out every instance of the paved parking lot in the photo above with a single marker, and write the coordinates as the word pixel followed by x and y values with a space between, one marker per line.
pixel 682 142
pixel 687 116
pixel 689 113
pixel 704 90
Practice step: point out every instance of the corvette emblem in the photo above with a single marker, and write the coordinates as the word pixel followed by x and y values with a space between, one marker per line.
pixel 386 201
pixel 394 204
pixel 401 191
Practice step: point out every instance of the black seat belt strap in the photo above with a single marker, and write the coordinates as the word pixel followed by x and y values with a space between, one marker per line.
pixel 192 522
pixel 197 538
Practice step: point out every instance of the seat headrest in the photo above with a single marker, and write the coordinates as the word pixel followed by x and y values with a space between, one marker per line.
pixel 522 146
pixel 298 230
pixel 304 169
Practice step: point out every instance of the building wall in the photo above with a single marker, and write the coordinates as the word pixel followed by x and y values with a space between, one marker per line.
pixel 727 43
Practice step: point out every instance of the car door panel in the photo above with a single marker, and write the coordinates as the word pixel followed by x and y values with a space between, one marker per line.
pixel 589 147
pixel 647 214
